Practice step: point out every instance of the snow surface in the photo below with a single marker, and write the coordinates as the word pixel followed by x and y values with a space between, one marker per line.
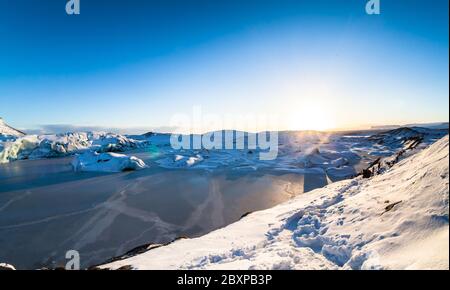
pixel 395 220
pixel 4 266
pixel 106 162
pixel 7 130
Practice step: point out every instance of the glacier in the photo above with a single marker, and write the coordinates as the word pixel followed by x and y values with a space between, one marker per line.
pixel 59 145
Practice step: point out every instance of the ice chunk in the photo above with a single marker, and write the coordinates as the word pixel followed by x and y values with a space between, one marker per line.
pixel 180 161
pixel 106 162
pixel 19 149
pixel 339 162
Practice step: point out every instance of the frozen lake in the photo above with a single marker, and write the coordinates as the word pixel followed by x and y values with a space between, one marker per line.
pixel 47 209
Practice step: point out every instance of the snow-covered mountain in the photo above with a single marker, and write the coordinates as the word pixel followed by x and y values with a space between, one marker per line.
pixel 395 220
pixel 397 138
pixel 5 129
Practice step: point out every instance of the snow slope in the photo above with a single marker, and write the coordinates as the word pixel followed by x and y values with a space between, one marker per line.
pixel 396 220
pixel 5 129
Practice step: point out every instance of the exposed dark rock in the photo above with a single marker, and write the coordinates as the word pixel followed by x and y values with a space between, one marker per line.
pixel 149 134
pixel 391 206
pixel 367 173
pixel 136 251
pixel 245 214
pixel 125 268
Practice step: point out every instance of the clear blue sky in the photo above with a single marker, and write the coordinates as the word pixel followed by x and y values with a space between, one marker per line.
pixel 132 63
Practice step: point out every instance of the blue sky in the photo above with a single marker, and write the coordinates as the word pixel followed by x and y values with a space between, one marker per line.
pixel 134 64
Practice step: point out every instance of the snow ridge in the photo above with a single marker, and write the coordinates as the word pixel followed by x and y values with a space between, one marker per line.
pixel 5 129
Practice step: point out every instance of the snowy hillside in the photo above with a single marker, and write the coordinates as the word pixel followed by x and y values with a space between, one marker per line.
pixel 395 220
pixel 7 130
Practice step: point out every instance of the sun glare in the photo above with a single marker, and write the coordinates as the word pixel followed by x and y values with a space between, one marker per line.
pixel 311 117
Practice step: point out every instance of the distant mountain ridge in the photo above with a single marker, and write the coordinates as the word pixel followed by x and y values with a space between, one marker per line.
pixel 438 125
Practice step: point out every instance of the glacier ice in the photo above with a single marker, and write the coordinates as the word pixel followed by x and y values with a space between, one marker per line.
pixel 106 162
pixel 58 145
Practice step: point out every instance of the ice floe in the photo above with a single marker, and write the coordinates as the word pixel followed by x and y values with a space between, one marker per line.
pixel 106 162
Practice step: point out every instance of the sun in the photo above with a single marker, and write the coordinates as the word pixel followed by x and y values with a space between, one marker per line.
pixel 310 117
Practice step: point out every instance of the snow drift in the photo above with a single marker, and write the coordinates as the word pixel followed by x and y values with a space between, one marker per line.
pixel 6 267
pixel 106 162
pixel 395 220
